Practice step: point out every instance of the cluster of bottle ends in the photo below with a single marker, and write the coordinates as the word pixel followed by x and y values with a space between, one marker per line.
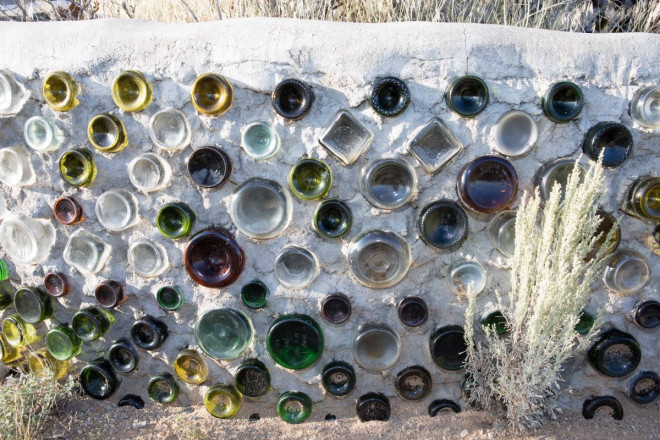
pixel 262 209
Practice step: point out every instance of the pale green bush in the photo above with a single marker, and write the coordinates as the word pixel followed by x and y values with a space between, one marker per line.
pixel 551 281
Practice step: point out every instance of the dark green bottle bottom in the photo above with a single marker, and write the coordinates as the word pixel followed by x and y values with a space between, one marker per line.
pixel 294 407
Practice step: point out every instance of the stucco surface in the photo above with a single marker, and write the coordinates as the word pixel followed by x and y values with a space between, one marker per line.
pixel 340 62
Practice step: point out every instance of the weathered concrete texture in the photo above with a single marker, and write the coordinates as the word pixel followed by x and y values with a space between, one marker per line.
pixel 340 61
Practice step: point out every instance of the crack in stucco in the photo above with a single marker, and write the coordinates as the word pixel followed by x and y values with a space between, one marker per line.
pixel 467 55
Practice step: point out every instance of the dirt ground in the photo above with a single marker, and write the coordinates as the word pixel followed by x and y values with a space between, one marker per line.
pixel 87 419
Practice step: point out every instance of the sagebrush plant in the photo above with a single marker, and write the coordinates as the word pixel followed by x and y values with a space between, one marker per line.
pixel 27 401
pixel 551 278
pixel 569 15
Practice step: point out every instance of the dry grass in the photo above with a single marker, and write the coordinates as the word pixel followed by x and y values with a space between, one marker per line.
pixel 565 15
pixel 28 401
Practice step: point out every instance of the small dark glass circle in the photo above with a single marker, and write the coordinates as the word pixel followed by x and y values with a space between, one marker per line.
pixel 338 378
pixel 255 294
pixel 488 184
pixel 614 138
pixel 443 405
pixel 413 383
pixel 336 308
pixel 98 380
pixel 169 298
pixel 443 224
pixel 389 96
pixel 252 378
pixel 148 333
pixel 209 167
pixel 122 356
pixel 333 218
pixel 496 322
pixel 294 407
pixel 373 406
pixel 56 284
pixel 563 102
pixel 448 349
pixel 467 95
pixel 162 388
pixel 595 403
pixel 292 99
pixel 413 311
pixel 68 211
pixel 647 314
pixel 109 294
pixel 89 324
pixel 644 388
pixel 213 258
pixel 131 400
pixel 615 353
pixel 585 323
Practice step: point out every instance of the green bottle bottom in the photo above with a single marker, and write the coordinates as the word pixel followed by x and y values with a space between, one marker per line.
pixel 496 321
pixel 294 407
pixel 63 343
pixel 585 323
pixel 170 298
pixel 255 294
pixel 163 388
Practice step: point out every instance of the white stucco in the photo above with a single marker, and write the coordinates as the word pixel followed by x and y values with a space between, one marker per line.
pixel 340 61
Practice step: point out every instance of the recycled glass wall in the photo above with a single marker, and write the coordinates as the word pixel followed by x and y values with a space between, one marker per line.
pixel 340 61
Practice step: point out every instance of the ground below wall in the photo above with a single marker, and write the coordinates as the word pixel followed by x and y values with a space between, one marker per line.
pixel 340 61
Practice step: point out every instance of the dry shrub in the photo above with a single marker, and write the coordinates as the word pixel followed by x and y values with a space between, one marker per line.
pixel 565 15
pixel 27 402
pixel 551 276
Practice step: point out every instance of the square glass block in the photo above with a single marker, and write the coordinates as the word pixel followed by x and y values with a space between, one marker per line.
pixel 346 137
pixel 86 252
pixel 434 145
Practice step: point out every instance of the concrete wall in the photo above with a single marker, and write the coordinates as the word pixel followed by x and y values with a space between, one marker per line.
pixel 340 61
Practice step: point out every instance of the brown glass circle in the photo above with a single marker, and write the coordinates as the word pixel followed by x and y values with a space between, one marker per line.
pixel 488 184
pixel 109 294
pixel 56 284
pixel 336 308
pixel 413 383
pixel 68 211
pixel 373 406
pixel 413 311
pixel 213 258
pixel 607 223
